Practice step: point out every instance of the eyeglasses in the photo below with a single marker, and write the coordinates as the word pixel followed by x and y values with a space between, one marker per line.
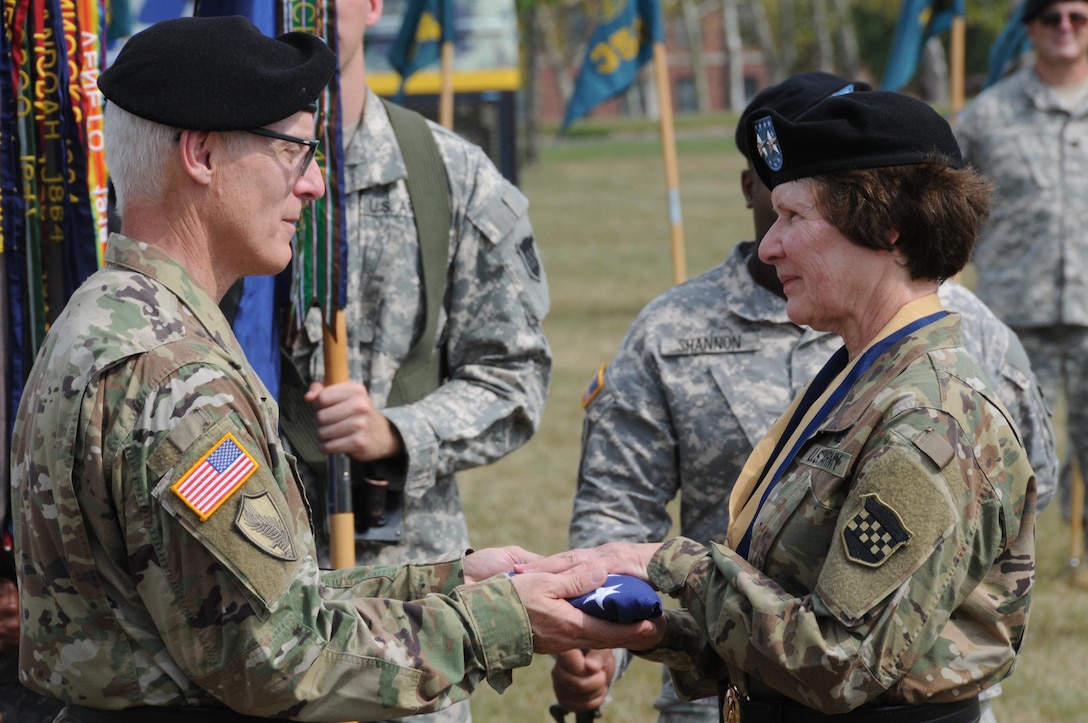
pixel 1053 19
pixel 311 145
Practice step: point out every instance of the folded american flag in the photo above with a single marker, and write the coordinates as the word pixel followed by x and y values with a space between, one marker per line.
pixel 622 598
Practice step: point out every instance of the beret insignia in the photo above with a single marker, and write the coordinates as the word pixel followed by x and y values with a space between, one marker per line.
pixel 767 143
pixel 874 533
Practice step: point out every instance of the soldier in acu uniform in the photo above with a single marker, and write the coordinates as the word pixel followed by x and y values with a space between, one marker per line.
pixel 164 547
pixel 1029 135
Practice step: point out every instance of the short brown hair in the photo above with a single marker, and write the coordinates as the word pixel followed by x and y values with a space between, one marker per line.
pixel 936 209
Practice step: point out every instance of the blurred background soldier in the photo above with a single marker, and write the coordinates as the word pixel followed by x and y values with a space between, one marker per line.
pixel 1029 135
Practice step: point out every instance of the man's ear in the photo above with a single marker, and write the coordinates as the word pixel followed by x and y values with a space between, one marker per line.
pixel 194 149
pixel 748 180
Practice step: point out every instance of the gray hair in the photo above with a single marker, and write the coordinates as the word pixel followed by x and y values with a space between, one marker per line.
pixel 137 151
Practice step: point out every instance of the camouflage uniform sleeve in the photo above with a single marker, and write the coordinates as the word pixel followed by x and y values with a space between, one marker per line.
pixel 865 625
pixel 497 357
pixel 1001 355
pixel 245 613
pixel 1020 391
pixel 628 470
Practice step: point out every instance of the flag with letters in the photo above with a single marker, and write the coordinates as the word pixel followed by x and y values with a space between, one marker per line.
pixel 212 480
pixel 919 20
pixel 426 25
pixel 620 45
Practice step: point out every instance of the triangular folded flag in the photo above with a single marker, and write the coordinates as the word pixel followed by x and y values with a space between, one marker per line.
pixel 622 598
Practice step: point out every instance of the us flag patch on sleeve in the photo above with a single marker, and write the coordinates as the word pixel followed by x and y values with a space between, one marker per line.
pixel 212 480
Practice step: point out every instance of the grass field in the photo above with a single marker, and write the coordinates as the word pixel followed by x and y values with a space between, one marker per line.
pixel 599 211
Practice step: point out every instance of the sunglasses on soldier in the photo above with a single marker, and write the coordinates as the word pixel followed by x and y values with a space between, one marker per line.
pixel 1053 19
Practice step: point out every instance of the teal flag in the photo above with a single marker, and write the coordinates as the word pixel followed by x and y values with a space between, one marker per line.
pixel 1009 45
pixel 620 45
pixel 919 20
pixel 426 25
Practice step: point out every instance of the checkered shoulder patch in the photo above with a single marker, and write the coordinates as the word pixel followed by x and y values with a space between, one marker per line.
pixel 874 533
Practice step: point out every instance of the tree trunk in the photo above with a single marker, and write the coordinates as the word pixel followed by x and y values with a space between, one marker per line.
pixel 933 78
pixel 553 51
pixel 825 53
pixel 531 28
pixel 734 54
pixel 765 38
pixel 848 39
pixel 786 32
pixel 694 30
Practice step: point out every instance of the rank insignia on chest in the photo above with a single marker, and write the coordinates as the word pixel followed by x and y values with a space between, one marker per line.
pixel 215 477
pixel 874 533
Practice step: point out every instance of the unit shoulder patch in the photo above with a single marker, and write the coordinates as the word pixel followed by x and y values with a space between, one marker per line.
pixel 874 532
pixel 262 523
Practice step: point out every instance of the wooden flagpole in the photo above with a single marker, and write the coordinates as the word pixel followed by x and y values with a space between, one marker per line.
pixel 958 52
pixel 672 174
pixel 342 516
pixel 445 98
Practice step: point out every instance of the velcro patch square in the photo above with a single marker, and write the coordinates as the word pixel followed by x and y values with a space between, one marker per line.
pixel 213 479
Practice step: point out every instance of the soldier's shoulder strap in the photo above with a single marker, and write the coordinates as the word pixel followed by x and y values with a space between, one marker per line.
pixel 429 190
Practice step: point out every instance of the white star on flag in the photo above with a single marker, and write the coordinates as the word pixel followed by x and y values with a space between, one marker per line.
pixel 602 592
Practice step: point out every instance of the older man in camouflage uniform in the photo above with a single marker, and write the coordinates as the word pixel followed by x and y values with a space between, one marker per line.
pixel 701 375
pixel 1029 135
pixel 165 553
pixel 496 360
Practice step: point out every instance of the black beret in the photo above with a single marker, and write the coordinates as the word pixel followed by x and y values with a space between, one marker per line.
pixel 792 97
pixel 857 130
pixel 217 74
pixel 1031 9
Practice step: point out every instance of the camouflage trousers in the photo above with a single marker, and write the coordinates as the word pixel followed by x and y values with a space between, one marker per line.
pixel 1059 358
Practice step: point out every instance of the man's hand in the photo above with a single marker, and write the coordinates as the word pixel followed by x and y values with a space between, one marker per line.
pixel 9 616
pixel 558 626
pixel 624 558
pixel 349 423
pixel 581 679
